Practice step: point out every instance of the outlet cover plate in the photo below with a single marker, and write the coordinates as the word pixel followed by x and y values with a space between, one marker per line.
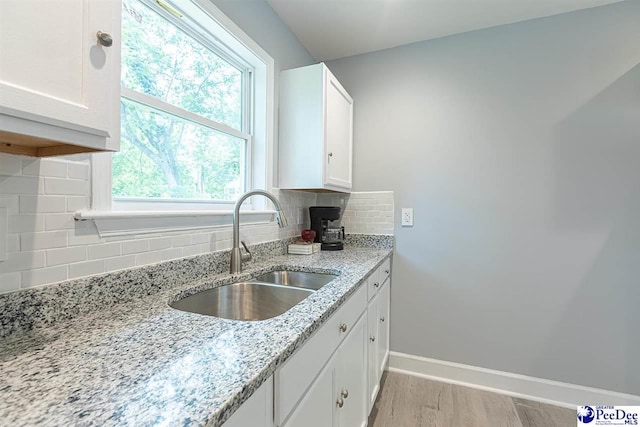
pixel 407 217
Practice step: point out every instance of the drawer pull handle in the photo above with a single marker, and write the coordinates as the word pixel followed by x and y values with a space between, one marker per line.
pixel 340 403
pixel 343 327
pixel 372 339
pixel 382 319
pixel 345 393
pixel 376 284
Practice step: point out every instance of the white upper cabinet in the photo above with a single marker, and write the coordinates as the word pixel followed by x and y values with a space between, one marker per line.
pixel 316 131
pixel 59 83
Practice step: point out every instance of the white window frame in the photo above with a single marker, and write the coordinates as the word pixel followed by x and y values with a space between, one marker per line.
pixel 176 214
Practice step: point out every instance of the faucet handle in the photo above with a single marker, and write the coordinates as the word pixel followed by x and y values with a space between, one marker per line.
pixel 247 256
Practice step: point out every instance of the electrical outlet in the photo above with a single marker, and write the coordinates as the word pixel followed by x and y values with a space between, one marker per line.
pixel 407 217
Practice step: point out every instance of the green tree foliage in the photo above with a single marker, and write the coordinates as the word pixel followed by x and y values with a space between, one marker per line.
pixel 162 155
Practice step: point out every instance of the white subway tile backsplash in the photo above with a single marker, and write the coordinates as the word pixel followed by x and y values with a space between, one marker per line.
pixel 181 241
pixel 46 245
pixel 363 212
pixel 13 243
pixel 44 167
pixel 105 250
pixel 192 250
pixel 70 187
pixel 41 204
pixel 172 253
pixel 135 246
pixel 200 238
pixel 62 221
pixel 160 243
pixel 222 245
pixel 149 257
pixel 11 202
pixel 26 223
pixel 10 165
pixel 76 239
pixel 10 282
pixel 120 263
pixel 87 268
pixel 78 170
pixel 20 261
pixel 78 203
pixel 43 240
pixel 66 255
pixel 42 276
pixel 20 184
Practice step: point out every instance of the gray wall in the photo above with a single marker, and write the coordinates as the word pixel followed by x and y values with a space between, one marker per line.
pixel 265 27
pixel 519 149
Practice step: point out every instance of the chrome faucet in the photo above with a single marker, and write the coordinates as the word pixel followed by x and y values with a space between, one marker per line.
pixel 236 256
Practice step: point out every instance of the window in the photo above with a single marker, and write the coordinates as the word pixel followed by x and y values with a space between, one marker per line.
pixel 196 111
pixel 185 109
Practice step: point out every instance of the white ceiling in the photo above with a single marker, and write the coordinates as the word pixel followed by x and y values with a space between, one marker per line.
pixel 331 29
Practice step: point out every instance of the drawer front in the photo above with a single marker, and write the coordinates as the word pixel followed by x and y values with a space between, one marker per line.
pixel 297 374
pixel 375 281
pixel 384 271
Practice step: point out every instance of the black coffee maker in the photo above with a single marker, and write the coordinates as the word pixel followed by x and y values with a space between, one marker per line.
pixel 324 220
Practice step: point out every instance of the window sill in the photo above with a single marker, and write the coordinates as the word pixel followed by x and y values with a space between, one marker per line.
pixel 122 223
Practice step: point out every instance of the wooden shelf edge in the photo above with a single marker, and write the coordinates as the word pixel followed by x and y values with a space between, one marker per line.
pixel 27 145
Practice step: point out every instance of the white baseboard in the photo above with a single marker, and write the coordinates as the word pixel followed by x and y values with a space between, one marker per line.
pixel 537 389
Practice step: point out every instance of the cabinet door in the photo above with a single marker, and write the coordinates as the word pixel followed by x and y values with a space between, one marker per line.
pixel 54 71
pixel 338 129
pixel 350 379
pixel 316 408
pixel 257 410
pixel 383 327
pixel 373 382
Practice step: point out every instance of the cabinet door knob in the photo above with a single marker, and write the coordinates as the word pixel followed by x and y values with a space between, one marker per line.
pixel 340 403
pixel 345 393
pixel 330 154
pixel 104 39
pixel 376 284
pixel 382 319
pixel 386 271
pixel 343 327
pixel 372 339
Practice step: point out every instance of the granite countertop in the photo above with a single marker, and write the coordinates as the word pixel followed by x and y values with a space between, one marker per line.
pixel 144 363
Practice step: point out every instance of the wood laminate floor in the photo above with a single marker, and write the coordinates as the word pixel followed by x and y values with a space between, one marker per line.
pixel 406 401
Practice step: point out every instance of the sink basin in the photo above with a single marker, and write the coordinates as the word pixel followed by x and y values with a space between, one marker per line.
pixel 298 279
pixel 243 301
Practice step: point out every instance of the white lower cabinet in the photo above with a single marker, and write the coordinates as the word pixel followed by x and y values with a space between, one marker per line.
pixel 372 352
pixel 350 380
pixel 334 378
pixel 337 396
pixel 378 342
pixel 324 382
pixel 257 411
pixel 316 407
pixel 383 327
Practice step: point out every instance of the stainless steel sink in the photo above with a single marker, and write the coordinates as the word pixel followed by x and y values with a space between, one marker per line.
pixel 298 279
pixel 243 301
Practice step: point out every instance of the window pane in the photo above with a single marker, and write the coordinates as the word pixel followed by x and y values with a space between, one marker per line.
pixel 163 156
pixel 161 60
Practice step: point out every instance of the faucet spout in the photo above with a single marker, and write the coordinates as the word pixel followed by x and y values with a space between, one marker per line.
pixel 236 256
